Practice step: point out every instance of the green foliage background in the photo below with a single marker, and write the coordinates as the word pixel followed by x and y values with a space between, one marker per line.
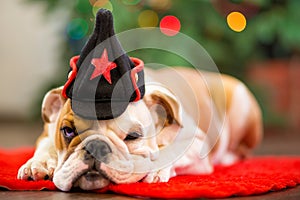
pixel 272 32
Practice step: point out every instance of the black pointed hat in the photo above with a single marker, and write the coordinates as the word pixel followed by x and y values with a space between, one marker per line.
pixel 103 79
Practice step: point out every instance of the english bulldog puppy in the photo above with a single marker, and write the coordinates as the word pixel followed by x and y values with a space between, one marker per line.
pixel 116 122
pixel 163 135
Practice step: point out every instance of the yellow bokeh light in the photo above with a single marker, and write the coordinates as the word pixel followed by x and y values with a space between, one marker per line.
pixel 148 18
pixel 236 21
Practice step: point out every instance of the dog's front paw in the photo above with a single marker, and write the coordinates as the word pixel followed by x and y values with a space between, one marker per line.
pixel 160 176
pixel 35 169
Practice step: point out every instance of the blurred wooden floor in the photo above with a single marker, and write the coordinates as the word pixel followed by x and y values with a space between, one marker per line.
pixel 276 142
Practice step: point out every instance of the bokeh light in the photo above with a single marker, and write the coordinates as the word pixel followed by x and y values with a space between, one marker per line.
pixel 170 25
pixel 148 18
pixel 131 2
pixel 83 6
pixel 77 28
pixel 102 4
pixel 236 21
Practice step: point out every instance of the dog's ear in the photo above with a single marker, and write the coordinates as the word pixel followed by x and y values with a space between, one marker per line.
pixel 52 103
pixel 163 105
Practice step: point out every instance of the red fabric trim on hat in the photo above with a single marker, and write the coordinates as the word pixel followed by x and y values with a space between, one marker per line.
pixel 73 75
pixel 139 66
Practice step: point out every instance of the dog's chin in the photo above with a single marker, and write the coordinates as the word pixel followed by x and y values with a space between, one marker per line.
pixel 101 175
pixel 91 180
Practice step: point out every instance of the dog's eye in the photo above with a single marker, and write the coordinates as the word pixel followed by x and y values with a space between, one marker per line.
pixel 133 136
pixel 68 132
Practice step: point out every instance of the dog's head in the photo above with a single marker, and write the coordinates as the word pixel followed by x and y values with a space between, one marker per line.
pixel 93 153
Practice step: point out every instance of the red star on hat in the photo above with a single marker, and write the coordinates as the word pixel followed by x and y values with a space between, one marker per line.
pixel 102 67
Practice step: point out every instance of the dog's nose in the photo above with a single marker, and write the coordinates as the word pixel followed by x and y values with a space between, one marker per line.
pixel 98 149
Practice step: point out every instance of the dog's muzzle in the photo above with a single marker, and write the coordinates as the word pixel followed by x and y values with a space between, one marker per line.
pixel 96 152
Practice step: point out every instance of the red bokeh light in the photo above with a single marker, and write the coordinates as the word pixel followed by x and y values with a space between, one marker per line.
pixel 170 25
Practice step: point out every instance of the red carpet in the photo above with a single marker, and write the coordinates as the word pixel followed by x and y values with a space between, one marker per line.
pixel 253 176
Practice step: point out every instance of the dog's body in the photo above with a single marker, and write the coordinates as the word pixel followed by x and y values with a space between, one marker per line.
pixel 207 119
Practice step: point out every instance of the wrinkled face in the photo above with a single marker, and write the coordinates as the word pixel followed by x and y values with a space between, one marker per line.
pixel 93 153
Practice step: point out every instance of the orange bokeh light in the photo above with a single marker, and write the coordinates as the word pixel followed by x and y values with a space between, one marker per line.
pixel 236 21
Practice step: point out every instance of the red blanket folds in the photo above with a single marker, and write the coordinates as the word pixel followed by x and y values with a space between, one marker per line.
pixel 253 176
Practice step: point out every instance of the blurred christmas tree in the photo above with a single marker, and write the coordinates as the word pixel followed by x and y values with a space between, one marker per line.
pixel 264 29
pixel 271 31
